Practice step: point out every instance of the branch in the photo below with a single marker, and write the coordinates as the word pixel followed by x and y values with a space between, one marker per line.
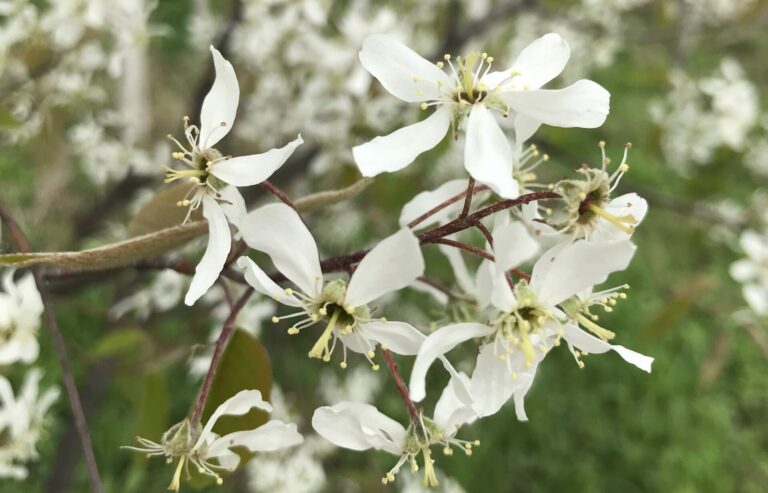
pixel 403 390
pixel 61 352
pixel 468 200
pixel 443 205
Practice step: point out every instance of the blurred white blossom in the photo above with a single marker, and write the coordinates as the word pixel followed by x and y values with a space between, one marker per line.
pixel 20 311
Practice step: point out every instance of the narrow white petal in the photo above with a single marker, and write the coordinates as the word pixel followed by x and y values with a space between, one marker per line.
pixel 358 426
pixel 491 384
pixel 578 266
pixel 437 344
pixel 513 245
pixel 502 296
pixel 273 435
pixel 451 411
pixel 244 171
pixel 629 204
pixel 591 344
pixel 392 264
pixel 397 150
pixel 487 155
pixel 426 201
pixel 459 267
pixel 402 72
pixel 261 282
pixel 277 230
pixel 399 337
pixel 540 62
pixel 237 405
pixel 526 381
pixel 583 104
pixel 525 127
pixel 485 281
pixel 233 204
pixel 219 244
pixel 220 104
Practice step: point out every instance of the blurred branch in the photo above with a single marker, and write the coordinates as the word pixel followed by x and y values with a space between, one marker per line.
pixel 75 403
pixel 115 198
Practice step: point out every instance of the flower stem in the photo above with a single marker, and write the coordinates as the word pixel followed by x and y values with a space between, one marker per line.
pixel 403 390
pixel 221 343
pixel 468 200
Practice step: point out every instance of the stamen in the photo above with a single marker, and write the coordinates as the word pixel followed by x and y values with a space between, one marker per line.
pixel 320 349
pixel 619 222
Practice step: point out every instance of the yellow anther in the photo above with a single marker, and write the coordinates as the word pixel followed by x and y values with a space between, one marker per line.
pixel 601 144
pixel 447 57
pixel 275 319
pixel 371 354
pixel 177 155
pixel 219 481
pixel 293 331
pixel 440 64
pixel 375 367
pixel 289 291
pixel 424 106
pixel 323 311
pixel 343 365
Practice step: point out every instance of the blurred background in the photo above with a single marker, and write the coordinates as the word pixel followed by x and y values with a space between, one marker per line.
pixel 89 89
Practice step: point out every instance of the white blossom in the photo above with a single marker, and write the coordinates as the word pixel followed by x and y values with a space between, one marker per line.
pixel 216 176
pixel 20 311
pixel 190 443
pixel 471 91
pixel 22 419
pixel 343 307
pixel 752 271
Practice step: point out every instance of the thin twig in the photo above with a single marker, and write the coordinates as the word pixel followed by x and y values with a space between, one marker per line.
pixel 61 352
pixel 465 247
pixel 443 205
pixel 274 190
pixel 221 343
pixel 486 233
pixel 403 390
pixel 468 200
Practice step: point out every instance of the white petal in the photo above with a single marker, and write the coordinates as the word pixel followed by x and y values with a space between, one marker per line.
pixel 492 384
pixel 591 344
pixel 513 245
pixel 277 230
pixel 485 281
pixel 459 267
pixel 273 435
pixel 487 155
pixel 401 71
pixel 540 62
pixel 423 287
pixel 259 280
pixel 757 298
pixel 525 127
pixel 526 381
pixel 233 204
pixel 754 245
pixel 743 270
pixel 237 405
pixel 399 337
pixel 392 264
pixel 502 296
pixel 220 104
pixel 629 204
pixel 578 266
pixel 426 201
pixel 451 411
pixel 583 104
pixel 358 426
pixel 437 344
pixel 397 150
pixel 244 171
pixel 219 244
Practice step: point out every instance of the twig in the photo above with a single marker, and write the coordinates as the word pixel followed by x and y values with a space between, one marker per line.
pixel 61 352
pixel 221 343
pixel 443 205
pixel 465 247
pixel 274 190
pixel 429 282
pixel 486 233
pixel 403 390
pixel 468 200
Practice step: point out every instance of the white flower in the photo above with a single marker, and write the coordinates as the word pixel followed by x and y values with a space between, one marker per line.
pixel 359 426
pixel 752 272
pixel 471 90
pixel 531 318
pixel 20 311
pixel 21 423
pixel 213 172
pixel 392 265
pixel 589 211
pixel 188 442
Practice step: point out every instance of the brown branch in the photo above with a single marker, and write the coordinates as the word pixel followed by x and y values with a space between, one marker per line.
pixel 221 343
pixel 274 190
pixel 487 234
pixel 443 205
pixel 463 246
pixel 403 390
pixel 61 352
pixel 468 200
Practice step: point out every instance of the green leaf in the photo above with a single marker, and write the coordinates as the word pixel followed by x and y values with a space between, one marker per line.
pixel 162 212
pixel 244 365
pixel 152 418
pixel 119 342
pixel 7 120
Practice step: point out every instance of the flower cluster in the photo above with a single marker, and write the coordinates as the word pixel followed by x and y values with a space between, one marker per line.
pixel 574 233
pixel 22 415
